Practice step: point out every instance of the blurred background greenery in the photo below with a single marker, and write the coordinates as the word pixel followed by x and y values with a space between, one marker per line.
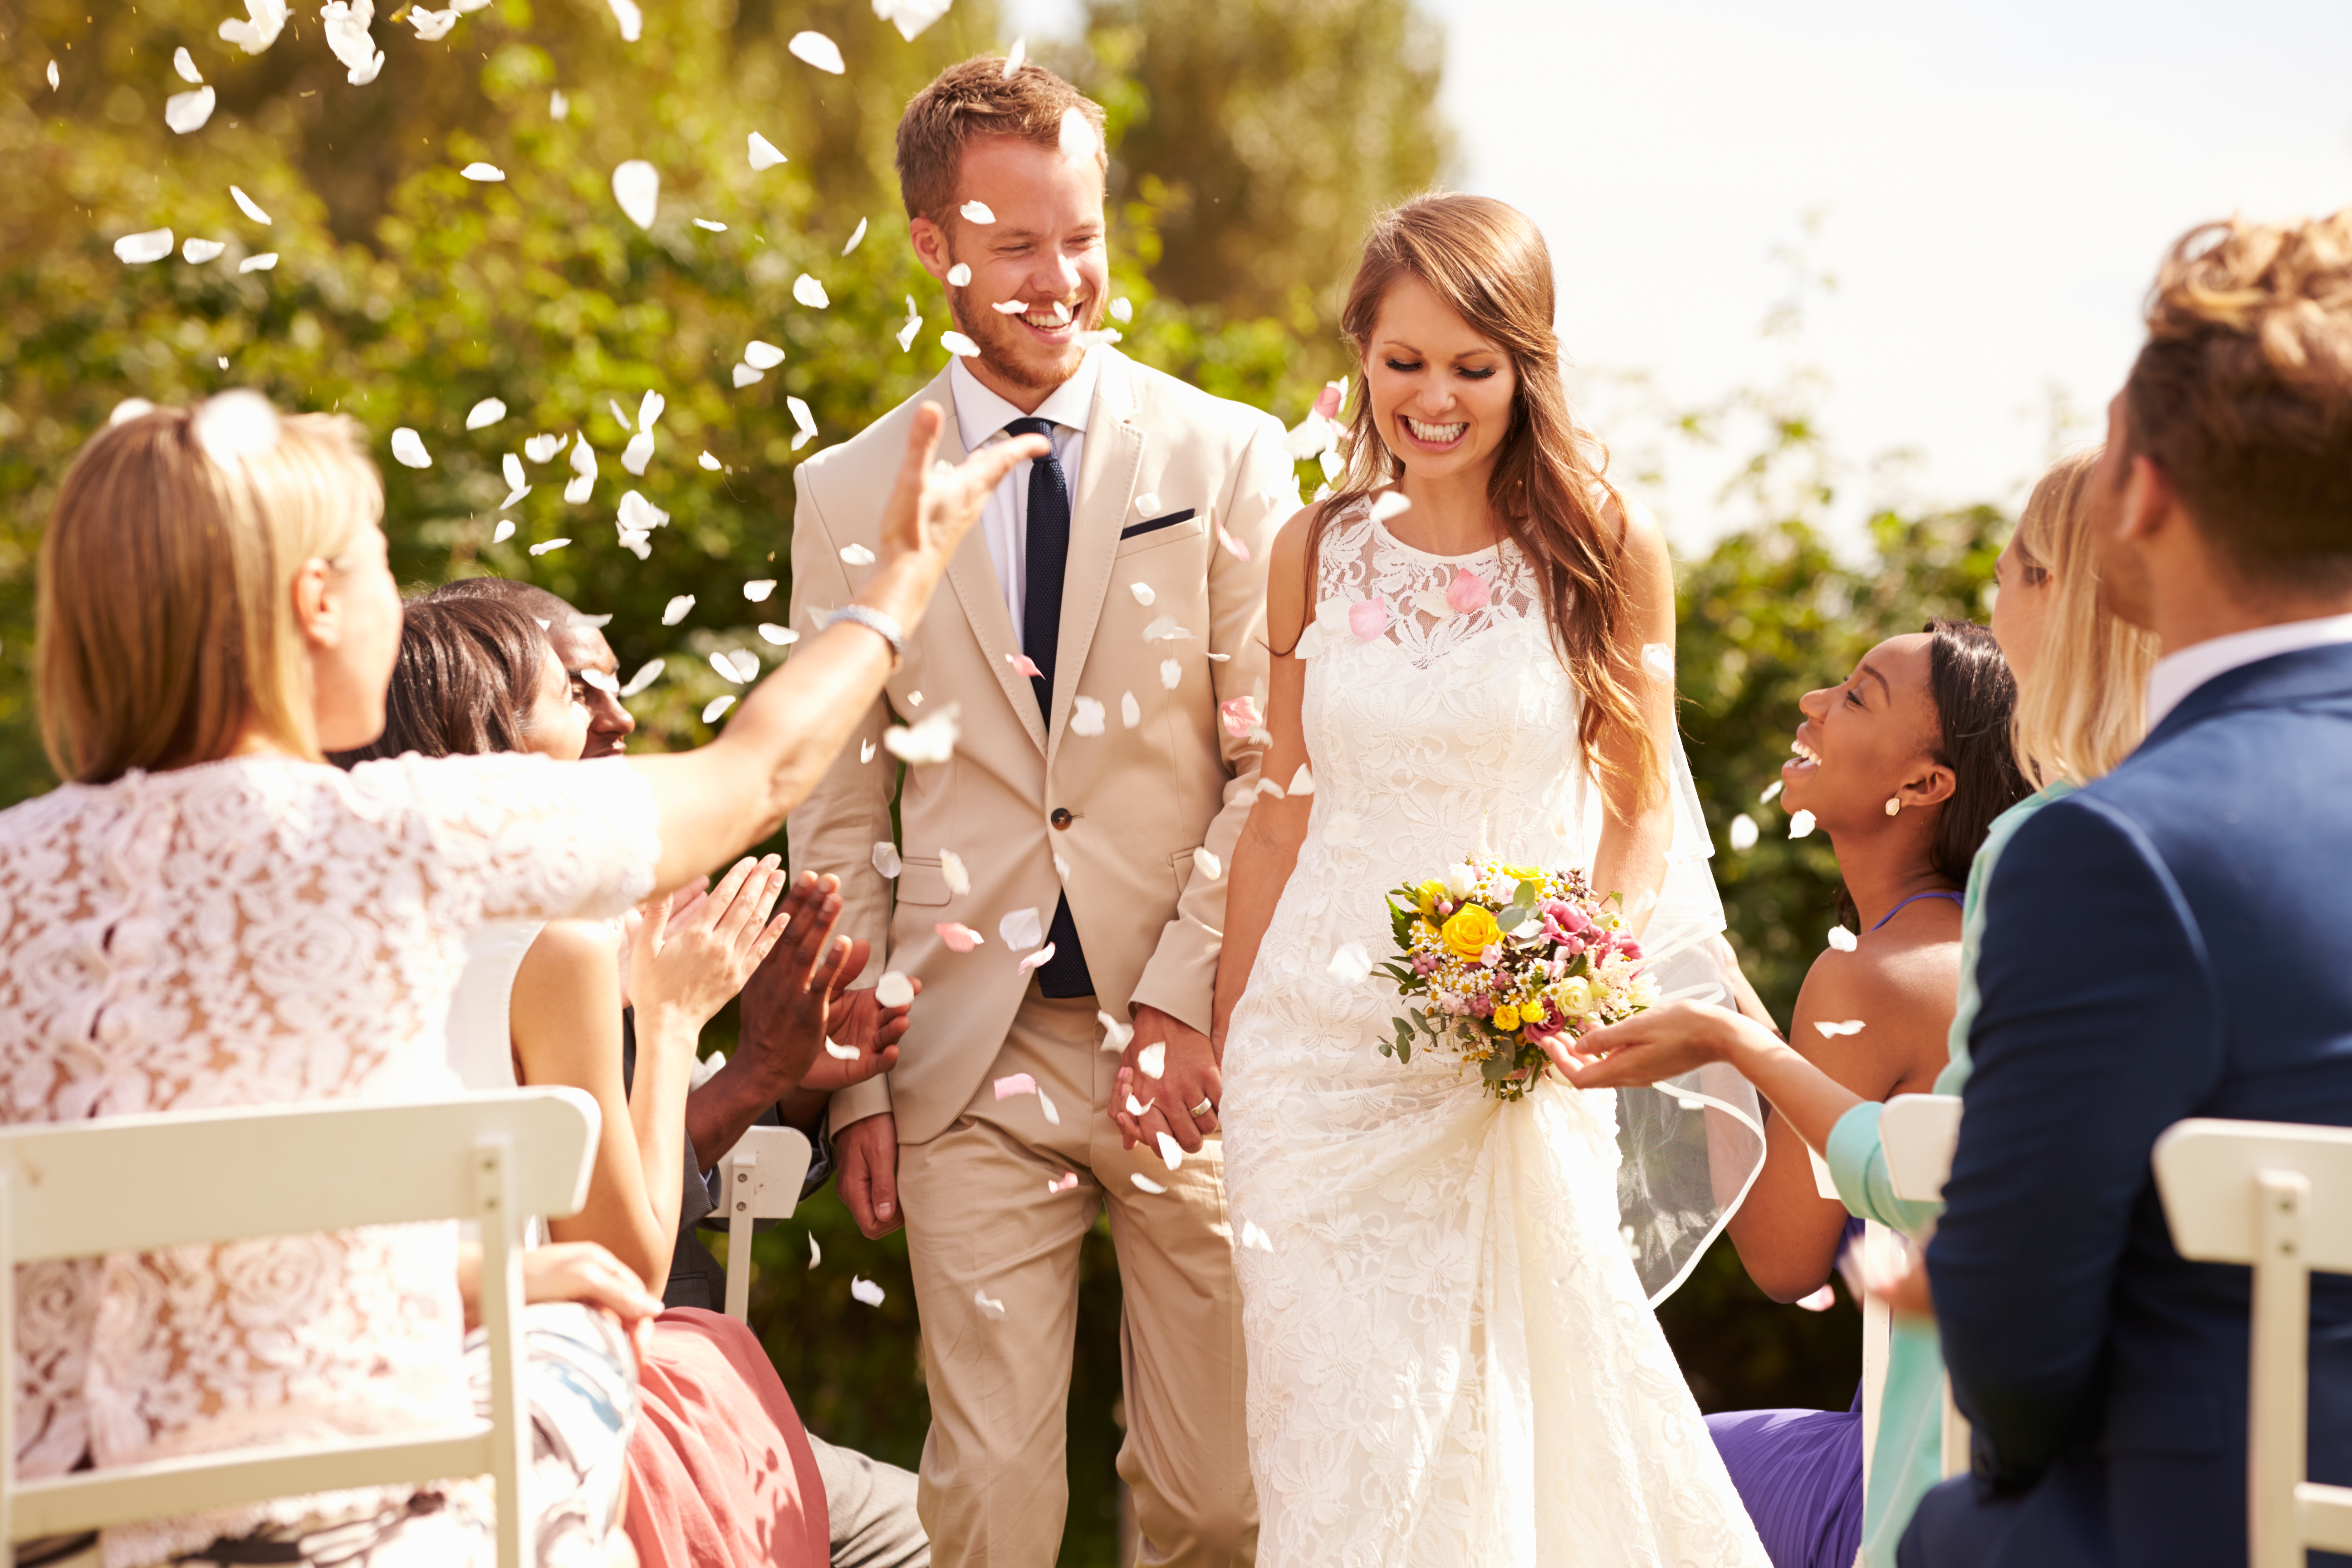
pixel 1252 141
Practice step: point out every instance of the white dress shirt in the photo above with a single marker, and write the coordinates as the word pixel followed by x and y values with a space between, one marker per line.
pixel 2177 675
pixel 981 417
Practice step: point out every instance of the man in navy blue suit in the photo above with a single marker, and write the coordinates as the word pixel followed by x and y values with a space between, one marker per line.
pixel 2174 941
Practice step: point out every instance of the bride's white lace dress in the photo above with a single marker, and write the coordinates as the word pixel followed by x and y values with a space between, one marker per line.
pixel 1452 1359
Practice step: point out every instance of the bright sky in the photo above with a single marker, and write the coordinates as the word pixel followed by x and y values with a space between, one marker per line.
pixel 1995 184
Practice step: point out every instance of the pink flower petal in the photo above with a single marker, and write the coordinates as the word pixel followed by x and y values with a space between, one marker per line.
pixel 1240 551
pixel 1467 591
pixel 1241 715
pixel 1820 1301
pixel 1023 664
pixel 959 938
pixel 1067 1184
pixel 1368 618
pixel 1015 1083
pixel 1036 958
pixel 1326 401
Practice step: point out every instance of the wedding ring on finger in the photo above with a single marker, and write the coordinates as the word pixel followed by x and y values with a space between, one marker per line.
pixel 1198 1111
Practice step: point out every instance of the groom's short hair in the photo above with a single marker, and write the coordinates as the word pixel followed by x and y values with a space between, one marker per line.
pixel 977 99
pixel 2243 394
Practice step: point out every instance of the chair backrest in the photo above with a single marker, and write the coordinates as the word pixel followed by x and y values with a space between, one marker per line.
pixel 1919 1132
pixel 762 1175
pixel 2277 1197
pixel 132 1183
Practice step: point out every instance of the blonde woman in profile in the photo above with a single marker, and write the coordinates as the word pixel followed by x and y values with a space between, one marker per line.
pixel 1453 1355
pixel 2082 677
pixel 208 914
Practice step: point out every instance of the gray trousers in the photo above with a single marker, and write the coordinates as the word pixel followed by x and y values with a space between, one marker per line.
pixel 872 1508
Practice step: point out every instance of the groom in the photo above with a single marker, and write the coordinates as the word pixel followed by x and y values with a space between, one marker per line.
pixel 1057 882
pixel 2170 942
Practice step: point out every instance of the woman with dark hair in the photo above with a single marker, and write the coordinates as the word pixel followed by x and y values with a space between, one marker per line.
pixel 1904 766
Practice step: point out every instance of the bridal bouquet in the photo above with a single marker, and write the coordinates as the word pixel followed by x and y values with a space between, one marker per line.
pixel 1509 956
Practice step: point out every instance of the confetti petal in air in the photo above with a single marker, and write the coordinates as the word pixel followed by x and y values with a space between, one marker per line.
pixel 717 706
pixel 803 419
pixel 539 449
pixel 1330 463
pixel 1122 309
pixel 709 462
pixel 1467 591
pixel 866 1290
pixel 1254 1237
pixel 910 16
pixel 200 250
pixel 1020 930
pixel 764 153
pixel 1771 791
pixel 678 610
pixel 1147 503
pixel 1171 1153
pixel 1302 781
pixel 1116 1034
pixel 857 555
pixel 1742 834
pixel 408 448
pixel 886 860
pixel 1130 711
pixel 762 355
pixel 988 1304
pixel 1832 1031
pixel 914 324
pixel 714 227
pixel 816 1253
pixel 758 590
pixel 432 26
pixel 782 636
pixel 644 678
pixel 185 64
pixel 1143 592
pixel 976 212
pixel 953 872
pixel 1842 939
pixel 1171 674
pixel 640 515
pixel 1165 629
pixel 1015 1083
pixel 1087 716
pixel 638 452
pixel 725 666
pixel 865 750
pixel 1268 788
pixel 490 411
pixel 1145 1183
pixel 855 239
pixel 549 545
pixel 1023 664
pixel 1010 307
pixel 747 664
pixel 1800 824
pixel 810 292
pixel 927 742
pixel 636 185
pixel 1239 551
pixel 958 344
pixel 837 1052
pixel 1068 1183
pixel 186 111
pixel 1014 60
pixel 558 106
pixel 959 276
pixel 1658 660
pixel 894 990
pixel 1045 1100
pixel 488 174
pixel 266 20
pixel 1208 864
pixel 1240 716
pixel 1153 1060
pixel 138 249
pixel 959 938
pixel 262 263
pixel 745 376
pixel 503 531
pixel 818 50
pixel 1349 964
pixel 346 36
pixel 600 681
pixel 1820 1301
pixel 1078 142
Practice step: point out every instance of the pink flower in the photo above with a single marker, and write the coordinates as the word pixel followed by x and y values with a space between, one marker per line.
pixel 1629 947
pixel 1491 955
pixel 1368 618
pixel 1241 715
pixel 1467 591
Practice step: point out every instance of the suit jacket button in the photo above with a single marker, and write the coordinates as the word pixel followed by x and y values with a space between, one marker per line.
pixel 1061 817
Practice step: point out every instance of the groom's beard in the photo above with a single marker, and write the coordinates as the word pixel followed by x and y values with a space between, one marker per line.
pixel 1007 349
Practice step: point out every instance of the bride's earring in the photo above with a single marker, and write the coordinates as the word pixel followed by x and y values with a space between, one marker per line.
pixel 1893 804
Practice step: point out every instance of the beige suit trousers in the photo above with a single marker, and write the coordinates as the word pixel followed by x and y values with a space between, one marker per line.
pixel 981 1222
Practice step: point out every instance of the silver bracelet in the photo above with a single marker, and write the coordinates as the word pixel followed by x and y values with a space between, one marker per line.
pixel 887 627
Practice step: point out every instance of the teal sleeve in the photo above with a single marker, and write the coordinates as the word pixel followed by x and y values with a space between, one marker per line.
pixel 1857 1162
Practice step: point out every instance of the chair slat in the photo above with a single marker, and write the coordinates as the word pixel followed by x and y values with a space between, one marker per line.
pixel 1919 1132
pixel 2326 1514
pixel 2205 1170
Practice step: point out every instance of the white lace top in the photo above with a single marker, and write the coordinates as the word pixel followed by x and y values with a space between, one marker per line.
pixel 256 931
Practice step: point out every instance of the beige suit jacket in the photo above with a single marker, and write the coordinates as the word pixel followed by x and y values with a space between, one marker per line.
pixel 1139 801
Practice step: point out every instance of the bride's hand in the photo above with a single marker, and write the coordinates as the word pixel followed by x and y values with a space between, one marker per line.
pixel 1650 1048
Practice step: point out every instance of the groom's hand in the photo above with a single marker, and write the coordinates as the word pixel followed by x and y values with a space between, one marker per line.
pixel 1188 1077
pixel 868 1152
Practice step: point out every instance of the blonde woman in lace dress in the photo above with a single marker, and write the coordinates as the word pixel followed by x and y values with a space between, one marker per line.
pixel 1452 1356
pixel 206 914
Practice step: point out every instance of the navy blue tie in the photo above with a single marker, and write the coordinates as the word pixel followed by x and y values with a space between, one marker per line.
pixel 1047 554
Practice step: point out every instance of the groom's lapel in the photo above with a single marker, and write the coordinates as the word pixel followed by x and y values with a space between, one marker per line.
pixel 973 573
pixel 1114 454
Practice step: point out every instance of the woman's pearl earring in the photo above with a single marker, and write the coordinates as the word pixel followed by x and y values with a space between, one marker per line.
pixel 1893 804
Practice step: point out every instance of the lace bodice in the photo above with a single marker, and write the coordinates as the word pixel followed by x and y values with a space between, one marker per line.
pixel 1452 1358
pixel 255 932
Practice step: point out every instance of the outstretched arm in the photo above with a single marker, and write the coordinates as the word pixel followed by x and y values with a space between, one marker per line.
pixel 735 791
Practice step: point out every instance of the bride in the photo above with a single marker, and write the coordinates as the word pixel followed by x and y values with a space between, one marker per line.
pixel 1447 1300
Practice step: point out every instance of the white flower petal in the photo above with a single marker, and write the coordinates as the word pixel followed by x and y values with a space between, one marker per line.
pixel 186 111
pixel 1078 139
pixel 1171 674
pixel 1742 834
pixel 716 706
pixel 855 239
pixel 636 185
pixel 764 153
pixel 644 678
pixel 268 20
pixel 490 411
pixel 817 50
pixel 558 106
pixel 709 462
pixel 538 448
pixel 1800 824
pixel 810 292
pixel 584 458
pixel 1170 1152
pixel 632 20
pixel 261 263
pixel 857 555
pixel 782 636
pixel 1302 781
pixel 957 343
pixel 886 860
pixel 408 448
pixel 953 872
pixel 1121 310
pixel 1349 964
pixel 725 664
pixel 512 465
pixel 185 64
pixel 1143 592
pixel 745 376
pixel 976 212
pixel 762 356
pixel 816 1253
pixel 894 989
pixel 1145 1183
pixel 1842 939
pixel 53 64
pixel 640 515
pixel 638 452
pixel 1013 61
pixel 246 205
pixel 551 544
pixel 488 174
pixel 926 743
pixel 1130 711
pixel 432 26
pixel 1832 1031
pixel 678 610
pixel 1020 930
pixel 200 250
pixel 713 227
pixel 1658 660
pixel 959 275
pixel 910 16
pixel 1087 716
pixel 866 1290
pixel 503 531
pixel 758 590
pixel 1207 864
pixel 747 664
pixel 1770 791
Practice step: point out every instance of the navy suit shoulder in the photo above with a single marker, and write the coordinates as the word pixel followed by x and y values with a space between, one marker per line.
pixel 2174 941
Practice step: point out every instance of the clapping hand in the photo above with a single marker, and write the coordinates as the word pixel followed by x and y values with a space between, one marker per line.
pixel 685 962
pixel 799 1001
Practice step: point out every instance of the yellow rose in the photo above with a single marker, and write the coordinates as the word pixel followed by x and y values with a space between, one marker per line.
pixel 1470 930
pixel 1532 1010
pixel 1427 894
pixel 1574 995
pixel 1507 1017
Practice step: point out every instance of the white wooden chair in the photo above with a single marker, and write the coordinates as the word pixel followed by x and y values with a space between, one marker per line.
pixel 1919 1132
pixel 1877 1325
pixel 137 1184
pixel 2278 1197
pixel 761 1176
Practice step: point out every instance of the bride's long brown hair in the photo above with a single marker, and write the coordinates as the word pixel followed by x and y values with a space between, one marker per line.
pixel 1483 259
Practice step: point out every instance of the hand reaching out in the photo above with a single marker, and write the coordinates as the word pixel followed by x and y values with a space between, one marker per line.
pixel 685 964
